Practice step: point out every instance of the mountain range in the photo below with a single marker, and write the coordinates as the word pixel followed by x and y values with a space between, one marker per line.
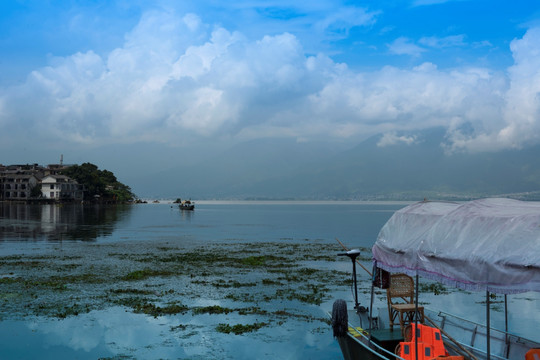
pixel 286 169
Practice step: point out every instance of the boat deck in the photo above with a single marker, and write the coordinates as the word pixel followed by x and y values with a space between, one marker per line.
pixel 386 335
pixel 387 338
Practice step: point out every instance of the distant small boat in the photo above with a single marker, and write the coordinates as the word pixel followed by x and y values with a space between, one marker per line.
pixel 187 205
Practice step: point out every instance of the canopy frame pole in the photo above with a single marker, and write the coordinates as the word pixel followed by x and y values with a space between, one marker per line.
pixel 507 350
pixel 371 298
pixel 416 319
pixel 488 331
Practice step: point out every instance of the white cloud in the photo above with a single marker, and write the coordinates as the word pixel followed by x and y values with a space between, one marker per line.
pixel 207 112
pixel 522 111
pixel 338 23
pixel 404 46
pixel 518 124
pixel 444 42
pixel 397 99
pixel 392 138
pixel 192 21
pixel 176 77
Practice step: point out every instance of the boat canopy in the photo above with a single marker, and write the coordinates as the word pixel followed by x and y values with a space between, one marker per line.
pixel 489 244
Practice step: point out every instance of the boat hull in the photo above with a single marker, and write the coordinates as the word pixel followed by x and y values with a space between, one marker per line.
pixel 356 344
pixel 354 349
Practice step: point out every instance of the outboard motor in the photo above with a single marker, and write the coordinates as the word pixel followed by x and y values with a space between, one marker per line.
pixel 353 254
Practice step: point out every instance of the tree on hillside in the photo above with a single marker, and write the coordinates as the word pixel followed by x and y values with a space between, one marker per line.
pixel 100 183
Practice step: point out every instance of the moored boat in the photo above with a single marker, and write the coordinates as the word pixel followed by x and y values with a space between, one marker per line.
pixel 187 205
pixel 491 246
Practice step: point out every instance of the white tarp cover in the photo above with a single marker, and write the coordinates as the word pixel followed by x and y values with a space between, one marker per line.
pixel 489 244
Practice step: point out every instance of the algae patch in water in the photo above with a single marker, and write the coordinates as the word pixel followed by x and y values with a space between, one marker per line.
pixel 239 329
pixel 145 273
pixel 275 282
pixel 435 288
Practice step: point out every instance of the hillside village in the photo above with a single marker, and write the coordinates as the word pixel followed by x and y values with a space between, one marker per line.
pixel 51 183
pixel 32 182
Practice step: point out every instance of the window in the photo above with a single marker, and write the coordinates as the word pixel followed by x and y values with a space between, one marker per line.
pixel 52 195
pixel 52 186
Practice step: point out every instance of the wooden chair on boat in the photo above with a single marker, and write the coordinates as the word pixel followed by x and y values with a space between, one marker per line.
pixel 400 298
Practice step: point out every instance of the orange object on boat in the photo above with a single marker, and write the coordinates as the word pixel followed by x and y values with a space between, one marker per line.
pixel 407 350
pixel 533 354
pixel 430 344
pixel 430 336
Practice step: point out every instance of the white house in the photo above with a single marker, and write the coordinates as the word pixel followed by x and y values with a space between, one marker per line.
pixel 61 187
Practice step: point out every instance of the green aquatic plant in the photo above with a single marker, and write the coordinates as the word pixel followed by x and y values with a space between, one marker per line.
pixel 87 278
pixel 252 283
pixel 143 306
pixel 214 309
pixel 73 310
pixel 271 282
pixel 132 291
pixel 145 274
pixel 220 283
pixel 239 329
pixel 435 288
pixel 254 260
pixel 9 280
pixel 254 310
pixel 155 311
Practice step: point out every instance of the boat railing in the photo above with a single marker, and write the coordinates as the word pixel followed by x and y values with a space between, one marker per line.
pixel 477 350
pixel 517 337
pixel 360 333
pixel 507 342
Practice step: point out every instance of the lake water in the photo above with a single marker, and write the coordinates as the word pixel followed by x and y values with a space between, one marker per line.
pixel 355 222
pixel 51 239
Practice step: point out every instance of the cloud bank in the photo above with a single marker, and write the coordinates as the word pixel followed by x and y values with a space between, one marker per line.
pixel 177 78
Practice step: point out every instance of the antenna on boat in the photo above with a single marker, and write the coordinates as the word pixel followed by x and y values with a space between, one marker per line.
pixel 353 254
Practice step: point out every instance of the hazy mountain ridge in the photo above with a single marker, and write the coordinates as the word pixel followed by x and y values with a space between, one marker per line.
pixel 286 169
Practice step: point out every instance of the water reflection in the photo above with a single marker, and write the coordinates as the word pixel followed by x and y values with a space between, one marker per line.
pixel 116 333
pixel 21 222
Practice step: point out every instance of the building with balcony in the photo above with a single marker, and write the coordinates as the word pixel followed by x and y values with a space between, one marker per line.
pixel 14 186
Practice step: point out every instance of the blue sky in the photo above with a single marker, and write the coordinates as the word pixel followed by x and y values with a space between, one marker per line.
pixel 102 80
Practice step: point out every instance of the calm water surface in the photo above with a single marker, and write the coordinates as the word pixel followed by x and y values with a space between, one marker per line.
pixel 352 222
pixel 115 332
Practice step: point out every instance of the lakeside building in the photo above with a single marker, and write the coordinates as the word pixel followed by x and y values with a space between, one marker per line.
pixel 61 187
pixel 33 182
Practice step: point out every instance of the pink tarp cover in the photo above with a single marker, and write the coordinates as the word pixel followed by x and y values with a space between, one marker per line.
pixel 488 244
